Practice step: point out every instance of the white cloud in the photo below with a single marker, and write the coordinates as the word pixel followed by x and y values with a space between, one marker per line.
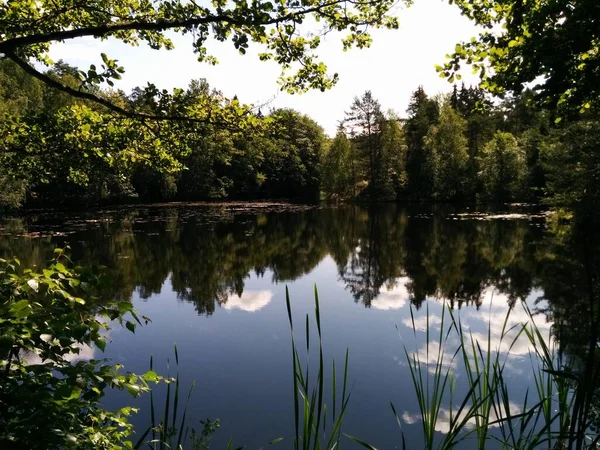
pixel 392 298
pixel 250 301
pixel 420 323
pixel 445 417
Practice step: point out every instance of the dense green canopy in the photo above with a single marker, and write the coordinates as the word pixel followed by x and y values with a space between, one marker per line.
pixel 552 44
pixel 280 28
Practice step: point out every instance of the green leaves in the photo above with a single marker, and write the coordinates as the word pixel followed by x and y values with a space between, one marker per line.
pixel 533 43
pixel 47 322
pixel 28 29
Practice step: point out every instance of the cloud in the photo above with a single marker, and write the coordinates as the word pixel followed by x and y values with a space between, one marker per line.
pixel 442 424
pixel 392 298
pixel 420 323
pixel 250 301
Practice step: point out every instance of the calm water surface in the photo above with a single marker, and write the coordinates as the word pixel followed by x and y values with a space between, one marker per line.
pixel 213 279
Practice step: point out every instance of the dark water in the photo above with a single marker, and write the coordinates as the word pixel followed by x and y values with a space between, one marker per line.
pixel 213 279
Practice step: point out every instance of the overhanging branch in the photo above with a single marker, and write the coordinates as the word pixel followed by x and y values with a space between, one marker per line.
pixel 94 98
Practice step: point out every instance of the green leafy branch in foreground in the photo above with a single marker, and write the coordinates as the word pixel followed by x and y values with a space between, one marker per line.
pixel 51 388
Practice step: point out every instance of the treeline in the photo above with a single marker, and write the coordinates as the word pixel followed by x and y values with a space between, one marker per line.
pixel 55 149
pixel 461 147
pixel 58 149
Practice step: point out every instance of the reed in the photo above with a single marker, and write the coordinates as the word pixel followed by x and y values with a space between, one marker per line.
pixel 312 431
pixel 554 415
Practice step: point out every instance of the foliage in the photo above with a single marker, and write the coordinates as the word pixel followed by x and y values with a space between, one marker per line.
pixel 447 144
pixel 572 164
pixel 551 45
pixel 422 114
pixel 28 29
pixel 12 192
pixel 337 168
pixel 502 168
pixel 50 392
pixel 292 169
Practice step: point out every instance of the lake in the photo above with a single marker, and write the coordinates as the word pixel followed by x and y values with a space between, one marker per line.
pixel 212 279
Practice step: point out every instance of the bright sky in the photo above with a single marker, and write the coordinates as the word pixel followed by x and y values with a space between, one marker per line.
pixel 392 68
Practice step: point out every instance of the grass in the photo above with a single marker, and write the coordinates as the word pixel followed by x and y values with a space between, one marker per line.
pixel 310 410
pixel 554 416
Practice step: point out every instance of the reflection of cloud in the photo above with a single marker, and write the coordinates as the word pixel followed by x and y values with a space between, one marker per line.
pixel 504 332
pixel 444 418
pixel 85 354
pixel 392 297
pixel 420 323
pixel 250 301
pixel 430 354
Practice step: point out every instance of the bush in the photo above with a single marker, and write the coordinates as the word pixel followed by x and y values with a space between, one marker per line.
pixel 49 393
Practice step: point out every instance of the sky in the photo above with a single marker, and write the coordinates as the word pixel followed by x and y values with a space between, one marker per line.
pixel 397 63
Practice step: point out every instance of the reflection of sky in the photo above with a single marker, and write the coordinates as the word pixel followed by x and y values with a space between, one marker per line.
pixel 494 324
pixel 392 298
pixel 85 353
pixel 241 361
pixel 249 301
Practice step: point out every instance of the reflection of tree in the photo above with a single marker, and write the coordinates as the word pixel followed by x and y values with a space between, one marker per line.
pixel 570 277
pixel 377 255
pixel 208 254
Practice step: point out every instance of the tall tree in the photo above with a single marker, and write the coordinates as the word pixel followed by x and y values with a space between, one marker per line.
pixel 447 144
pixel 364 121
pixel 422 114
pixel 503 168
pixel 393 156
pixel 337 174
pixel 293 170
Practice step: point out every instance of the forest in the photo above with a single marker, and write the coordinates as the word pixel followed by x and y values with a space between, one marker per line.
pixel 59 150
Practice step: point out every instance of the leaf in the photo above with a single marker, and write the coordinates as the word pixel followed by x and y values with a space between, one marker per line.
pixel 130 326
pixel 101 344
pixel 151 375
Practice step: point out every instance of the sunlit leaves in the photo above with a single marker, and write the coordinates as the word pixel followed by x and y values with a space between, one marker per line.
pixel 280 26
pixel 45 329
pixel 552 46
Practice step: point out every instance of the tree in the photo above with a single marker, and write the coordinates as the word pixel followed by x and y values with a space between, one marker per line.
pixel 292 168
pixel 422 114
pixel 28 29
pixel 337 177
pixel 447 144
pixel 503 168
pixel 393 156
pixel 552 45
pixel 364 121
pixel 571 162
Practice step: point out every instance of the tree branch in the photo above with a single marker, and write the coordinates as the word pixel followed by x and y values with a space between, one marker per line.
pixel 94 98
pixel 10 45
